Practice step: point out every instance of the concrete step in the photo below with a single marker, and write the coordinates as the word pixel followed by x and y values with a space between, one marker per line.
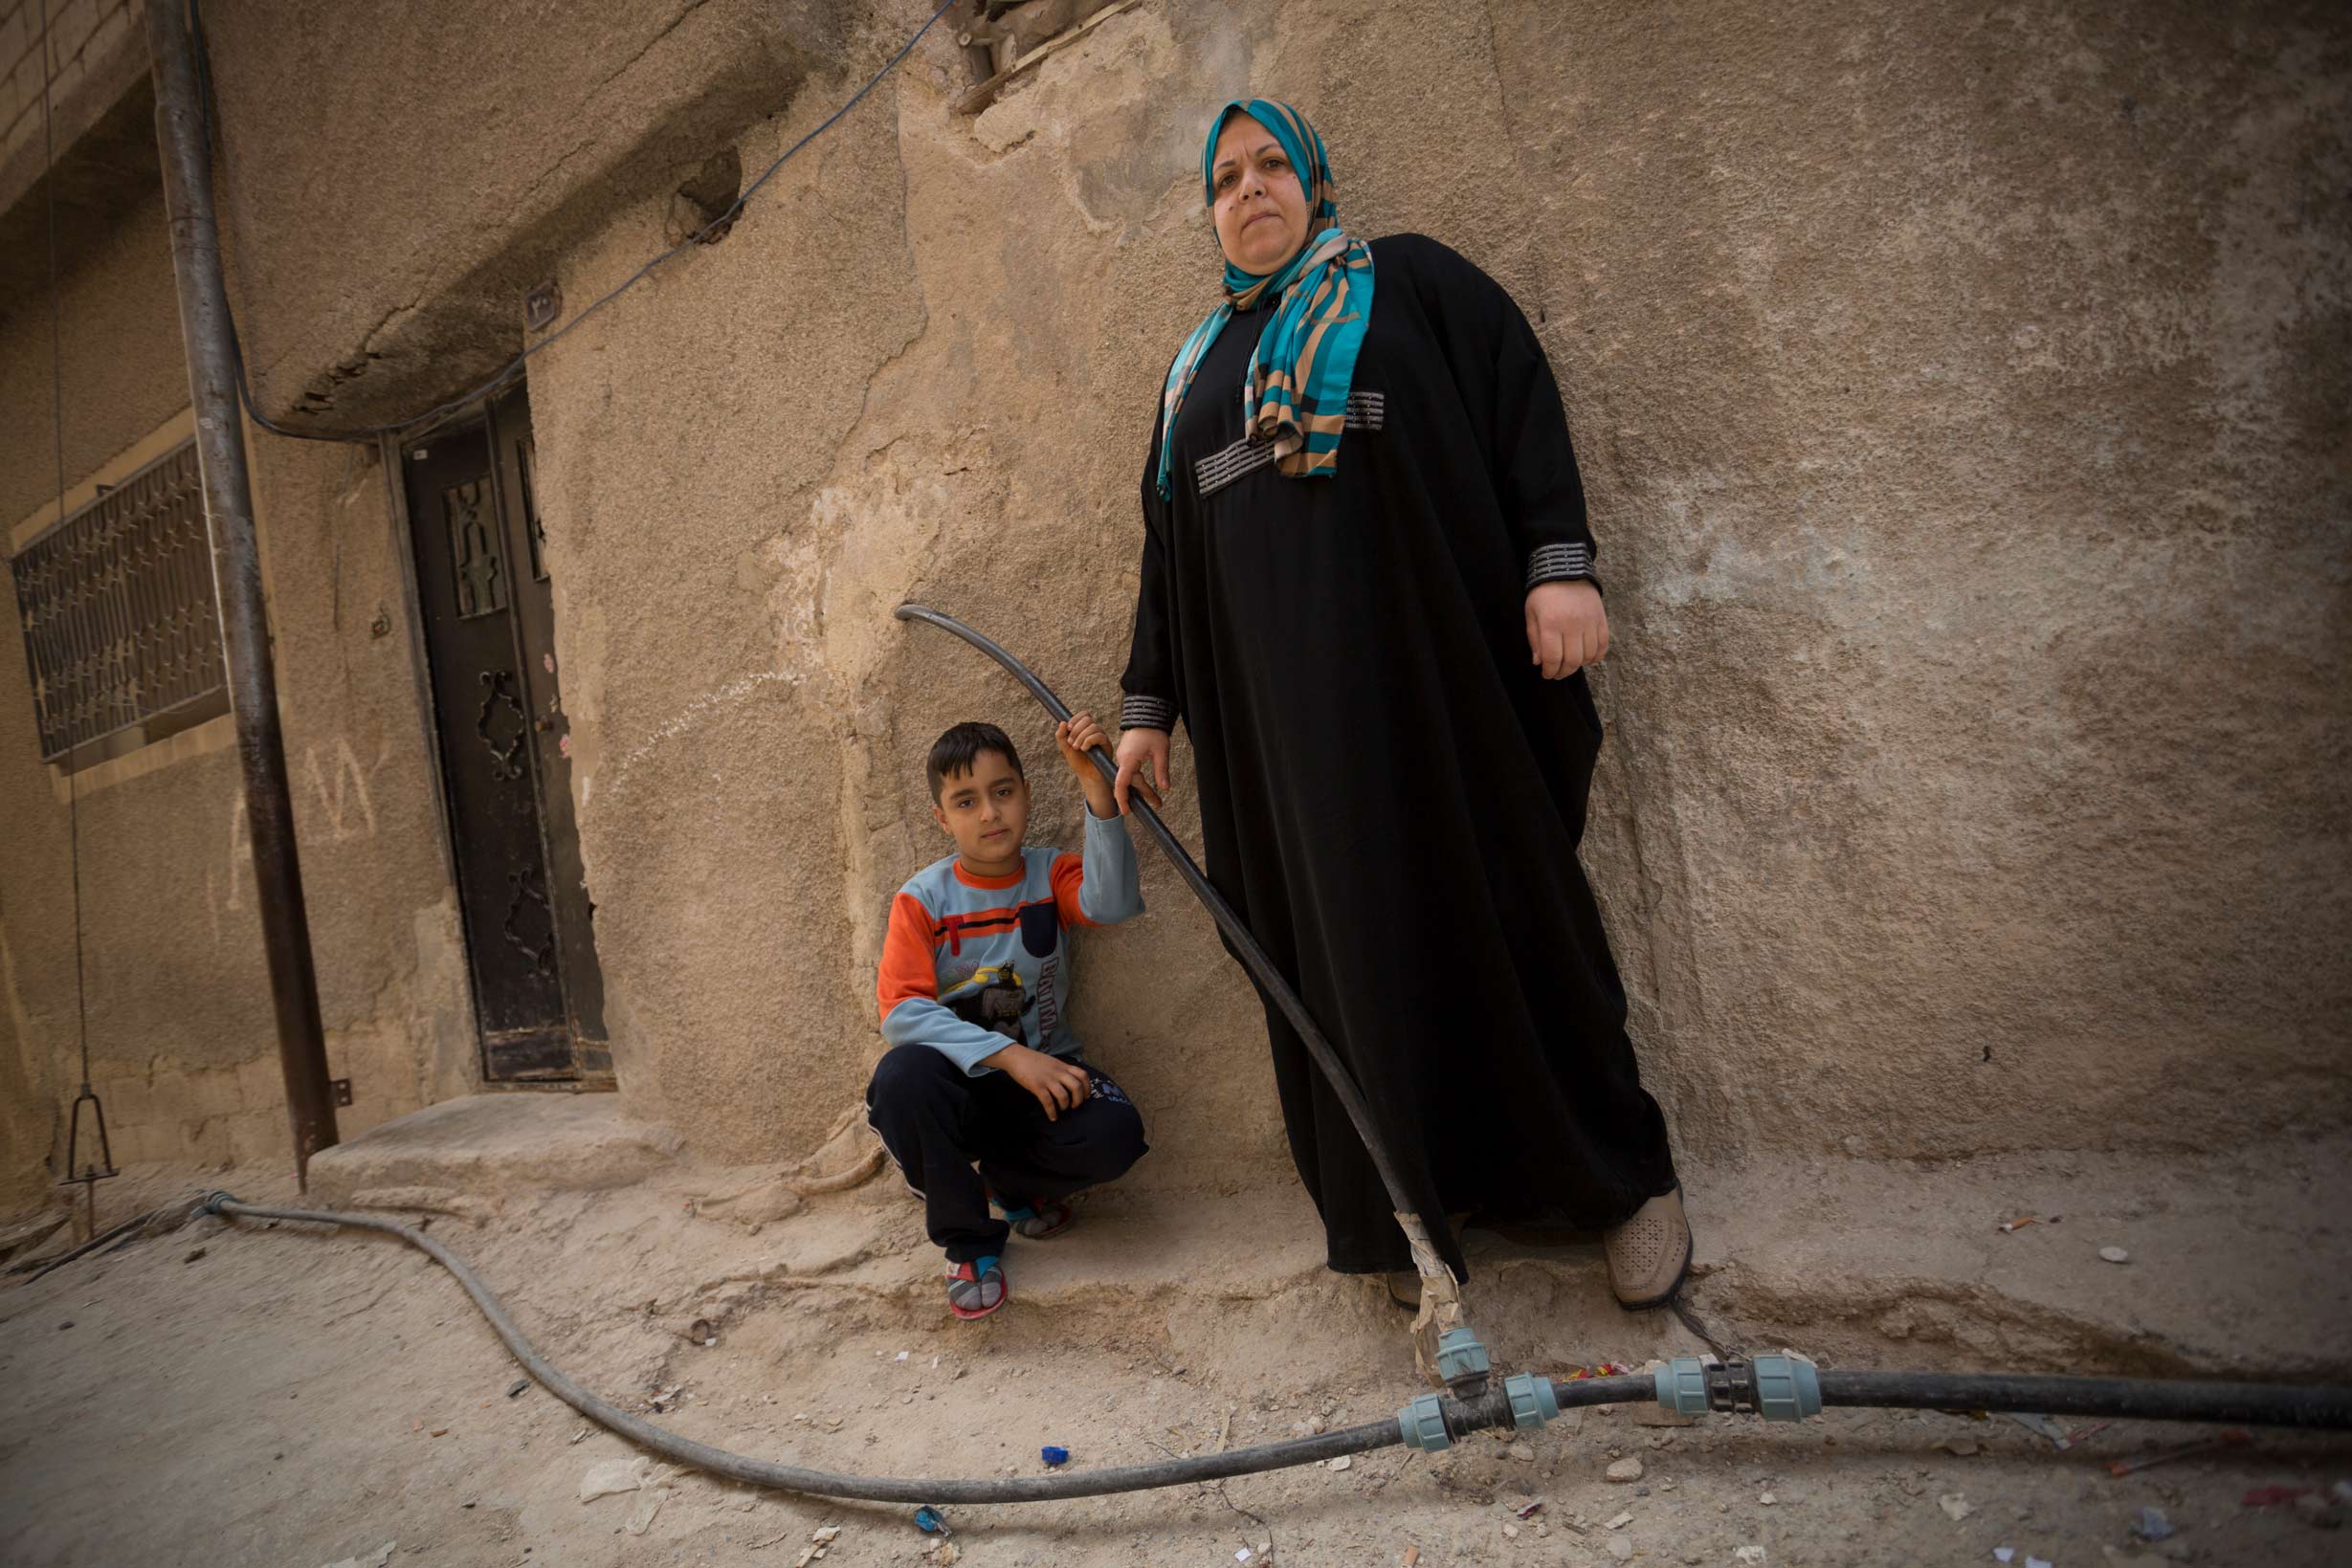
pixel 469 1156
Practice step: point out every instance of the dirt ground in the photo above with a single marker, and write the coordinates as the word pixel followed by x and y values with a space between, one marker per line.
pixel 283 1395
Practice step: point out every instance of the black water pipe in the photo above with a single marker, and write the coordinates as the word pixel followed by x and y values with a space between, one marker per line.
pixel 2236 1403
pixel 236 574
pixel 2146 1398
pixel 763 1473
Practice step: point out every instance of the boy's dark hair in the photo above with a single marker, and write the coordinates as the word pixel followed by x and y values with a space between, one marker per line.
pixel 960 748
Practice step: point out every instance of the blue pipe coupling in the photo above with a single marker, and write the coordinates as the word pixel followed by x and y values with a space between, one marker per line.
pixel 1531 1401
pixel 1461 1357
pixel 1422 1425
pixel 1785 1387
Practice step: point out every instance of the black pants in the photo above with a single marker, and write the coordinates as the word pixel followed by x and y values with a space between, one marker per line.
pixel 936 1120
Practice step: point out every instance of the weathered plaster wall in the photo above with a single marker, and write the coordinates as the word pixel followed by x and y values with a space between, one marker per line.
pixel 80 39
pixel 390 192
pixel 743 473
pixel 154 947
pixel 1964 395
pixel 182 1038
pixel 1960 396
pixel 94 127
pixel 384 926
pixel 119 316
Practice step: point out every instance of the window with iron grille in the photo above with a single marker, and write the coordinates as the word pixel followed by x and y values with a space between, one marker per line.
pixel 121 626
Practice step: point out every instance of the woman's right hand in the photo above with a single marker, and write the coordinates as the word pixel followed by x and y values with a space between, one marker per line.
pixel 1135 747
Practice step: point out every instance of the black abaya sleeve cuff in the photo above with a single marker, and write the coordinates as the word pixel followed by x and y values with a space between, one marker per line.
pixel 1147 713
pixel 1561 564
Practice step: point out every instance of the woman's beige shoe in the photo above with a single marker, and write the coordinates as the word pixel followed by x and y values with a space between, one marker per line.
pixel 1650 1253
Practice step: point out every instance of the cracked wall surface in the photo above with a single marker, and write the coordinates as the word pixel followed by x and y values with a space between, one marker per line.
pixel 451 158
pixel 1936 380
pixel 1960 396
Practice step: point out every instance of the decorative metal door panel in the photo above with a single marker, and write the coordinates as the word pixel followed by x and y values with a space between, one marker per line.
pixel 489 616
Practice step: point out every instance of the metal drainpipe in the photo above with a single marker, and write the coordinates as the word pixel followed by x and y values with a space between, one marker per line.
pixel 236 571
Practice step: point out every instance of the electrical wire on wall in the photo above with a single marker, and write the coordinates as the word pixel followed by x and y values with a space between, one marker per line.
pixel 514 367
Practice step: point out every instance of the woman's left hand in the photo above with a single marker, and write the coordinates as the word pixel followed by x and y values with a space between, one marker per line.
pixel 1568 628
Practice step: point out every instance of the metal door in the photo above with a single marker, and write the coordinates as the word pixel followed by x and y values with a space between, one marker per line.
pixel 489 618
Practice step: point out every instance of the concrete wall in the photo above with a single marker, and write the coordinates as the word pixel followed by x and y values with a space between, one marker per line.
pixel 1960 396
pixel 1960 399
pixel 124 381
pixel 1971 388
pixel 182 1040
pixel 394 189
pixel 81 38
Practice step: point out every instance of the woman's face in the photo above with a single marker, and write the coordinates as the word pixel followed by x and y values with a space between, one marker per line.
pixel 1255 197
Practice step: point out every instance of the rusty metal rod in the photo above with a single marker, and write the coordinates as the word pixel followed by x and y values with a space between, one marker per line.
pixel 237 573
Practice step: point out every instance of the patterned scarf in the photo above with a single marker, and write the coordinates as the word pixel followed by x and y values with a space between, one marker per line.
pixel 1296 395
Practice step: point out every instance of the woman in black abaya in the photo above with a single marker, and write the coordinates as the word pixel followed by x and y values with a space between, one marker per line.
pixel 1368 593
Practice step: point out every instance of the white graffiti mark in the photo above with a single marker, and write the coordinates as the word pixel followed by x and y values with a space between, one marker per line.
pixel 693 713
pixel 350 789
pixel 346 804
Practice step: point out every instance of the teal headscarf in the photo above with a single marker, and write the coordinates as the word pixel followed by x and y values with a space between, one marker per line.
pixel 1296 392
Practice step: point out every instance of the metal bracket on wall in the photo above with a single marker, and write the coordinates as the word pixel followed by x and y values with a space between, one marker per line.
pixel 980 94
pixel 343 1090
pixel 81 1173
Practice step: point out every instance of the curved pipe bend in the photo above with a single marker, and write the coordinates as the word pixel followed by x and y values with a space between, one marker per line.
pixel 1253 958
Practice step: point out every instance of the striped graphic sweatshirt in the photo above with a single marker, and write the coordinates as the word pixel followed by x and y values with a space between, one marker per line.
pixel 973 961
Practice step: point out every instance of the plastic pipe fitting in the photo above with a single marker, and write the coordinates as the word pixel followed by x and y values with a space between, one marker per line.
pixel 1422 1425
pixel 1531 1401
pixel 1785 1387
pixel 1462 1358
pixel 1776 1388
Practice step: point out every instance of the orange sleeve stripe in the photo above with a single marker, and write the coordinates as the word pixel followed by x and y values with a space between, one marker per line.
pixel 1069 875
pixel 908 968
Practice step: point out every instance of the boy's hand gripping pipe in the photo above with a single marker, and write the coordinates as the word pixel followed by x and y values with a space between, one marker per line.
pixel 1443 1343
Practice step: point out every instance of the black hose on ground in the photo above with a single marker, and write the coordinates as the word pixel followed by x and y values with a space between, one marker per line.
pixel 761 1473
pixel 39 1266
pixel 2237 1403
pixel 2150 1399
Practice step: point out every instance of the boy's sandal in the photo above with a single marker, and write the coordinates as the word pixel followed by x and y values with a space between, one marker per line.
pixel 1039 1222
pixel 976 1290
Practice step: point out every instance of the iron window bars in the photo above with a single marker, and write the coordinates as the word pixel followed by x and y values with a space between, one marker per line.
pixel 121 622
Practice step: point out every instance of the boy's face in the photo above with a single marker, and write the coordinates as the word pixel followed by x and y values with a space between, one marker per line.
pixel 986 811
